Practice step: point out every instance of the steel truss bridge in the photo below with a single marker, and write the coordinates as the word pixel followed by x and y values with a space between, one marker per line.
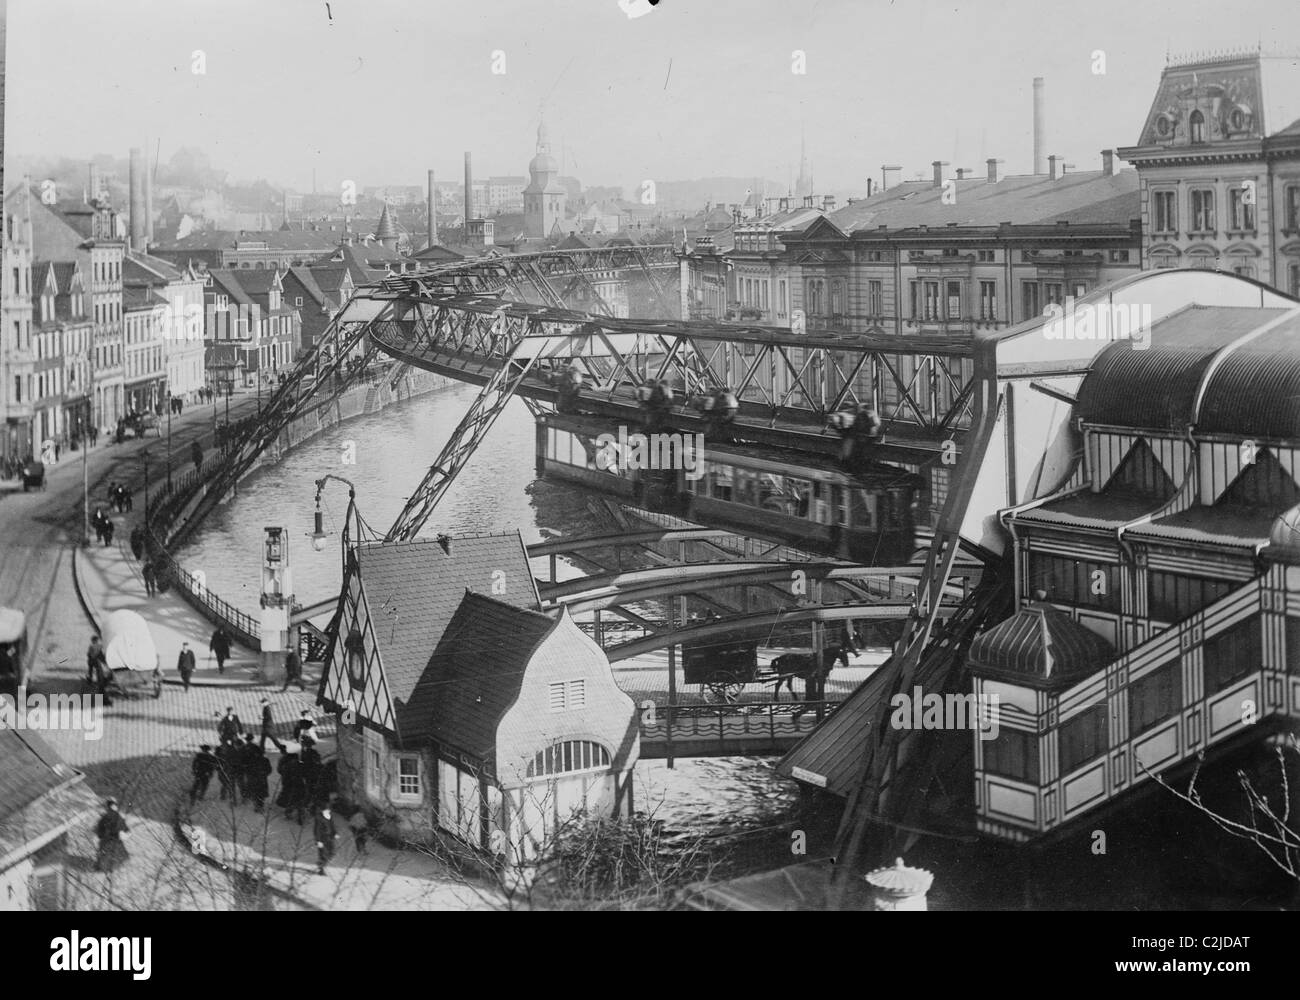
pixel 501 323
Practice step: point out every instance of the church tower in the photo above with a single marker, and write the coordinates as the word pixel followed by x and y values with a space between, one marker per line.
pixel 544 197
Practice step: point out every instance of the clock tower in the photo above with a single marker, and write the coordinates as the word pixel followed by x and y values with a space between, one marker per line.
pixel 544 196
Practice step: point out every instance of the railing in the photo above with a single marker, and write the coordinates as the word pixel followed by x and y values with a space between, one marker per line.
pixel 725 725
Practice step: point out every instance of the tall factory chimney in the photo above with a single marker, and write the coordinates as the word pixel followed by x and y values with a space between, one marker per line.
pixel 136 180
pixel 469 193
pixel 1040 126
pixel 433 214
pixel 148 202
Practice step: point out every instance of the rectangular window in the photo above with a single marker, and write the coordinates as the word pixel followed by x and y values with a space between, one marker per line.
pixel 1013 755
pixel 780 292
pixel 1164 212
pixel 913 307
pixel 408 776
pixel 954 299
pixel 1119 256
pixel 1078 289
pixel 374 771
pixel 1292 653
pixel 932 300
pixel 1241 213
pixel 1295 280
pixel 1154 698
pixel 1233 654
pixel 984 256
pixel 875 298
pixel 1173 597
pixel 1083 738
pixel 1053 292
pixel 1202 210
pixel 1291 208
pixel 1029 299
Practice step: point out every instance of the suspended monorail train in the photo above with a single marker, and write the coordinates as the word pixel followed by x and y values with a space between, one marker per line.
pixel 807 501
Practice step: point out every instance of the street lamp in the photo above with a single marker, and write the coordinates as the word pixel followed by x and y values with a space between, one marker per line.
pixel 167 391
pixel 144 457
pixel 319 537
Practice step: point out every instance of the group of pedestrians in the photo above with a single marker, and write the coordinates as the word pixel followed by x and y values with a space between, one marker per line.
pixel 103 525
pixel 242 769
pixel 119 497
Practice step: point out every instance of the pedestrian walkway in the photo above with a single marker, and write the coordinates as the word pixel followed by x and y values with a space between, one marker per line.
pixel 381 878
pixel 109 579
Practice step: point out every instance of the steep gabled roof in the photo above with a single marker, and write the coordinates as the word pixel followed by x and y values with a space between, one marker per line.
pixel 474 676
pixel 40 795
pixel 413 590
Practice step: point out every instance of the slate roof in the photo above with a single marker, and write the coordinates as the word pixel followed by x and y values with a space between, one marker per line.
pixel 39 793
pixel 1080 197
pixel 1041 646
pixel 225 239
pixel 306 279
pixel 413 590
pixel 147 268
pixel 474 676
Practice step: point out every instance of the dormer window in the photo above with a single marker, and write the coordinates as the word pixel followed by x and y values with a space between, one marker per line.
pixel 1196 126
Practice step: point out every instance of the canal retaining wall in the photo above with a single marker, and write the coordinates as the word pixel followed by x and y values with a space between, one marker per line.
pixel 169 518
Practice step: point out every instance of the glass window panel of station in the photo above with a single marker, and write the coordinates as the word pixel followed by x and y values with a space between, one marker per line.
pixel 1083 738
pixel 1012 755
pixel 1232 654
pixel 723 481
pixel 1154 698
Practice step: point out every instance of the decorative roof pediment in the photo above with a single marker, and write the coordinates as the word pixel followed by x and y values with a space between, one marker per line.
pixel 823 229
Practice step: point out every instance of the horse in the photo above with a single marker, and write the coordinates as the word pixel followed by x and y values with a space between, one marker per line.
pixel 803 666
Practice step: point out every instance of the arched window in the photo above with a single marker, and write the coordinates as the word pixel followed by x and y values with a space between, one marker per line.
pixel 837 298
pixel 1196 126
pixel 568 757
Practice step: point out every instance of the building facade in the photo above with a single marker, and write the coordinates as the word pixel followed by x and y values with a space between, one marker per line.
pixel 16 360
pixel 1219 162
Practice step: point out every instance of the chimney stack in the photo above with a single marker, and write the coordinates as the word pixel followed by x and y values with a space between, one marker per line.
pixel 828 203
pixel 94 183
pixel 1108 163
pixel 469 193
pixel 1051 168
pixel 938 172
pixel 870 181
pixel 961 173
pixel 148 203
pixel 136 180
pixel 885 171
pixel 1040 124
pixel 433 212
pixel 807 201
pixel 993 170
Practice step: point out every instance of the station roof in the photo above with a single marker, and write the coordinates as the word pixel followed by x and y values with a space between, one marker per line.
pixel 39 794
pixel 1225 369
pixel 414 590
pixel 1039 646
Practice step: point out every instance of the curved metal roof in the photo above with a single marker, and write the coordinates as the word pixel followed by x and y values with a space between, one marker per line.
pixel 1251 375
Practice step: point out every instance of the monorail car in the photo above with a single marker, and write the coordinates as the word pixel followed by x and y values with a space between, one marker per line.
pixel 807 501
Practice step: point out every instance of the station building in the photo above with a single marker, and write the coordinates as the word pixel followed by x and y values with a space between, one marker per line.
pixel 470 710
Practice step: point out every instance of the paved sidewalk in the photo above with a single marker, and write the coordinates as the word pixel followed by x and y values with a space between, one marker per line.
pixel 382 878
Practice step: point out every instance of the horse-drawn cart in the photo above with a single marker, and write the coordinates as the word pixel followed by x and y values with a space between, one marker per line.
pixel 131 656
pixel 723 667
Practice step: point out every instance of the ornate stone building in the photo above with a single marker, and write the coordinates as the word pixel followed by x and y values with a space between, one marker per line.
pixel 1219 162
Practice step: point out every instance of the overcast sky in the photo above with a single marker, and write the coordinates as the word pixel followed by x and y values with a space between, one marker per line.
pixel 377 91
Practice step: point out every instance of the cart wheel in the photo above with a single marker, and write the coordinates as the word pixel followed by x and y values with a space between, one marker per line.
pixel 723 689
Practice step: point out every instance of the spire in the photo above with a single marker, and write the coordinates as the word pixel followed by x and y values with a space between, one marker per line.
pixel 543 138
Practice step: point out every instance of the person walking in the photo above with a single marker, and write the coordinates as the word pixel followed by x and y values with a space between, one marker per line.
pixel 110 830
pixel 293 671
pixel 257 771
pixel 137 542
pixel 326 835
pixel 219 645
pixel 309 773
pixel 268 727
pixel 196 455
pixel 203 768
pixel 185 664
pixel 229 728
pixel 96 661
pixel 150 580
pixel 108 533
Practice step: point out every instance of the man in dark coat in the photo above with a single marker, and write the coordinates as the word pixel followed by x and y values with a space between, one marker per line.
pixel 185 664
pixel 304 728
pixel 203 768
pixel 109 831
pixel 219 644
pixel 257 769
pixel 196 455
pixel 96 662
pixel 326 835
pixel 290 797
pixel 309 771
pixel 137 542
pixel 228 771
pixel 292 671
pixel 229 728
pixel 150 580
pixel 268 727
pixel 108 533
